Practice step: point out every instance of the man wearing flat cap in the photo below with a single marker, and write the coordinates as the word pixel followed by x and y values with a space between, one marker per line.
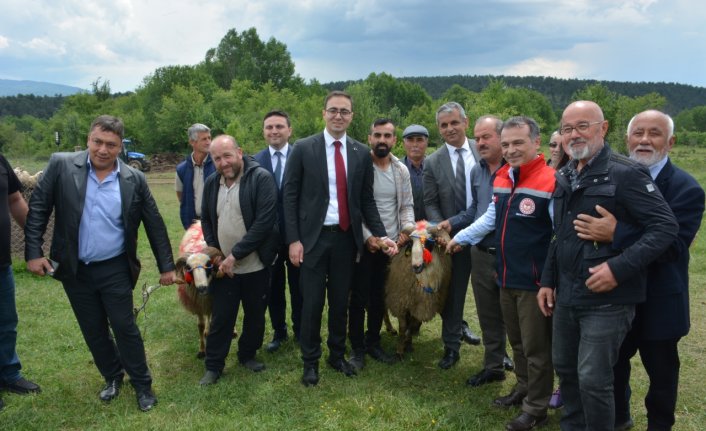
pixel 416 140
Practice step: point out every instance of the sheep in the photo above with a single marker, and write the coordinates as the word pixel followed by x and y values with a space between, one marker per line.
pixel 194 271
pixel 28 181
pixel 417 281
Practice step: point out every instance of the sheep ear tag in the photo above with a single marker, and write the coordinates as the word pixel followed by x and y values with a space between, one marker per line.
pixel 188 277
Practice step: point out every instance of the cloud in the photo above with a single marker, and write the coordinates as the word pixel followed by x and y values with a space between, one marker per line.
pixel 74 42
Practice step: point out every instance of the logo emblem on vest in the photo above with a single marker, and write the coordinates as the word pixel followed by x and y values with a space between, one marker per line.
pixel 527 206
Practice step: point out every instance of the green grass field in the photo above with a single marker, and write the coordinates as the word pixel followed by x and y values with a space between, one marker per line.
pixel 411 395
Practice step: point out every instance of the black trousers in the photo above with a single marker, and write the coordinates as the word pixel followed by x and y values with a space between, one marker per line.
pixel 101 297
pixel 452 314
pixel 368 291
pixel 283 273
pixel 327 269
pixel 227 294
pixel 661 361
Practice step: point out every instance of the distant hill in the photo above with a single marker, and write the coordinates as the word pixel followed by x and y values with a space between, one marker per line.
pixel 9 87
pixel 560 91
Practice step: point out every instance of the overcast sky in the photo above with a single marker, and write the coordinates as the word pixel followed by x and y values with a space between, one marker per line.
pixel 73 42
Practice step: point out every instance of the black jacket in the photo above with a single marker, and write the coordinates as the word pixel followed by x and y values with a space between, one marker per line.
pixel 62 189
pixel 626 190
pixel 258 204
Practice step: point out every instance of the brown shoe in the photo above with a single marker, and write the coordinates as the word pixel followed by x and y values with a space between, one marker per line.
pixel 525 421
pixel 513 399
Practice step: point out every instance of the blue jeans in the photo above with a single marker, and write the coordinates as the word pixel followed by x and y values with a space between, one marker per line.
pixel 9 362
pixel 586 344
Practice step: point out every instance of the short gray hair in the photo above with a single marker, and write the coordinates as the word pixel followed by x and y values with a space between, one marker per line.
pixel 670 122
pixel 195 129
pixel 523 121
pixel 449 107
pixel 497 120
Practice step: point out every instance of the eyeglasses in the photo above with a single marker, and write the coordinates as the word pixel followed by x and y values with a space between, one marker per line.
pixel 580 127
pixel 334 111
pixel 553 144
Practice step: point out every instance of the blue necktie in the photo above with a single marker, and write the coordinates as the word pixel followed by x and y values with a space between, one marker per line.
pixel 278 169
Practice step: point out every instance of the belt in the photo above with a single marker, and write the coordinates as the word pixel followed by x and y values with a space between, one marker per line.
pixel 489 250
pixel 99 262
pixel 331 228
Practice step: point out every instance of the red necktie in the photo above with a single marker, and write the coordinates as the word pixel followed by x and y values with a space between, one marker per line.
pixel 341 190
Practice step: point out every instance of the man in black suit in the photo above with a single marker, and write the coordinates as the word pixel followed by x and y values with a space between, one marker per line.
pixel 277 129
pixel 447 192
pixel 328 193
pixel 663 318
pixel 99 203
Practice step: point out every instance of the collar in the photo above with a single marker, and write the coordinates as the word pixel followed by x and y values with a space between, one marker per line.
pixel 284 150
pixel 657 167
pixel 465 146
pixel 116 168
pixel 330 139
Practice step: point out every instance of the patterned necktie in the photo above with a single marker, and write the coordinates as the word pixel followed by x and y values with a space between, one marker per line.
pixel 341 189
pixel 278 169
pixel 460 183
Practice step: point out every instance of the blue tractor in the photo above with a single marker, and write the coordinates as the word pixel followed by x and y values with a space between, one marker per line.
pixel 133 158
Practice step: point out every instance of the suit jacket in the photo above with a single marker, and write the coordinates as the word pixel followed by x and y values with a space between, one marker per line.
pixel 439 178
pixel 264 159
pixel 306 194
pixel 62 189
pixel 665 314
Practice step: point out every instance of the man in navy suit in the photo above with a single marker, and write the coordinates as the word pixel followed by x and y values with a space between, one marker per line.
pixel 328 193
pixel 663 318
pixel 277 129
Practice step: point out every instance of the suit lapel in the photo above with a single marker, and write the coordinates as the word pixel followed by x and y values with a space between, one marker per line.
pixel 319 150
pixel 352 155
pixel 446 166
pixel 127 190
pixel 80 177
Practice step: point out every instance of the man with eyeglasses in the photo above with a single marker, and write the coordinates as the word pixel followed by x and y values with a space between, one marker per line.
pixel 277 128
pixel 447 192
pixel 663 318
pixel 328 194
pixel 591 287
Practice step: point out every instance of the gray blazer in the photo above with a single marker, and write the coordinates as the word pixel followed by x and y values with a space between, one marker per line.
pixel 439 202
pixel 62 189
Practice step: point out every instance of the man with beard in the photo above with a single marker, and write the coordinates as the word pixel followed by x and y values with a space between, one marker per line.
pixel 239 218
pixel 393 197
pixel 663 318
pixel 594 284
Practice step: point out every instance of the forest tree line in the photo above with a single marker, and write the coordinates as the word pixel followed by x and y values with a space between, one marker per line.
pixel 244 77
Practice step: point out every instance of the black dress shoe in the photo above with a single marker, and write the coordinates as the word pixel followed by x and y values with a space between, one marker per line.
pixel 253 365
pixel 357 361
pixel 449 360
pixel 22 386
pixel 468 335
pixel 624 426
pixel 342 366
pixel 485 376
pixel 514 398
pixel 210 377
pixel 276 343
pixel 146 399
pixel 525 421
pixel 111 389
pixel 377 353
pixel 508 364
pixel 311 375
